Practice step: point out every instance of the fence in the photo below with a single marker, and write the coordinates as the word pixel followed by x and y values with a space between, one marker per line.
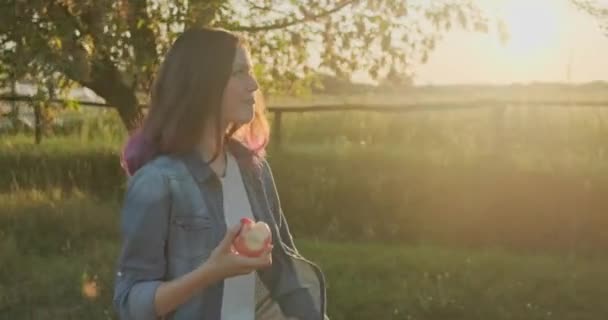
pixel 498 106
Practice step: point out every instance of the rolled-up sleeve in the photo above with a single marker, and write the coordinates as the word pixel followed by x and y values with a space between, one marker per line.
pixel 142 263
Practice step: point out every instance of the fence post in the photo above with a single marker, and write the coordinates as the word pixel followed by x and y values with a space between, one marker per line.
pixel 277 128
pixel 37 122
pixel 14 105
pixel 498 119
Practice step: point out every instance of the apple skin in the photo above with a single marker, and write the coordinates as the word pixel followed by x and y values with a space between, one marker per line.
pixel 250 231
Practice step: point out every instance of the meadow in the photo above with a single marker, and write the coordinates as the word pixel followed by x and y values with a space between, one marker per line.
pixel 429 215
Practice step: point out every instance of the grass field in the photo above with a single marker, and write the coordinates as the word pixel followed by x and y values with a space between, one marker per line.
pixel 58 251
pixel 515 210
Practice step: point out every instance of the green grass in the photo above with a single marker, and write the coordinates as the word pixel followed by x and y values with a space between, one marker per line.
pixel 536 138
pixel 446 178
pixel 53 243
pixel 424 282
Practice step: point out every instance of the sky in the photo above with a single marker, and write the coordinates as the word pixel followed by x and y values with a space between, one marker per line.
pixel 546 37
pixel 551 41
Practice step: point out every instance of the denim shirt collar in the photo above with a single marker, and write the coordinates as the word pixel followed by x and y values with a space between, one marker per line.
pixel 201 171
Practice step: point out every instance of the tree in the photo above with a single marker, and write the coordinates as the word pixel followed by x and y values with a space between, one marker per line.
pixel 595 9
pixel 113 47
pixel 396 80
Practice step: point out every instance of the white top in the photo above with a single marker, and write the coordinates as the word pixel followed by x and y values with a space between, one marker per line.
pixel 242 294
pixel 239 292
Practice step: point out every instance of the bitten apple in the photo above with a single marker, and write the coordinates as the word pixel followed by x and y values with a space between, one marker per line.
pixel 253 238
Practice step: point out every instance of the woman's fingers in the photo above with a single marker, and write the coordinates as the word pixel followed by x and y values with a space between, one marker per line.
pixel 231 263
pixel 264 260
pixel 231 233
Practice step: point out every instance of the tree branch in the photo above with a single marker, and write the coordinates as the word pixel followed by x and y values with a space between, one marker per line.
pixel 143 38
pixel 262 8
pixel 201 14
pixel 283 23
pixel 592 7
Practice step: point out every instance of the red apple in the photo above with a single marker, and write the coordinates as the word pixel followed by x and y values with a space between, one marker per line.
pixel 253 238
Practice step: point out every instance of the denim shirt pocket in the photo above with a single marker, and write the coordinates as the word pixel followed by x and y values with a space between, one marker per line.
pixel 192 237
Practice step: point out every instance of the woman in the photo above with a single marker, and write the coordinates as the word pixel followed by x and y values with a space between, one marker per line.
pixel 198 167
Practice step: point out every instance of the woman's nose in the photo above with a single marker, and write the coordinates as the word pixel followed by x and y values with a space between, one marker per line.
pixel 253 84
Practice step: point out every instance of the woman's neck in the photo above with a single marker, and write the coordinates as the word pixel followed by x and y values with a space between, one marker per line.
pixel 208 149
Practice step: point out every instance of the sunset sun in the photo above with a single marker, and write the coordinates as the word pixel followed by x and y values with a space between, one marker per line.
pixel 533 28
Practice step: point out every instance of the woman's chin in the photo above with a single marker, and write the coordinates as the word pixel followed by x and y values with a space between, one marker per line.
pixel 245 119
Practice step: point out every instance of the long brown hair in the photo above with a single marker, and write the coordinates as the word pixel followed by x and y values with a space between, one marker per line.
pixel 186 93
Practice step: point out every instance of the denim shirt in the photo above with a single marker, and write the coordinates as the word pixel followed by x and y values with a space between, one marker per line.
pixel 172 218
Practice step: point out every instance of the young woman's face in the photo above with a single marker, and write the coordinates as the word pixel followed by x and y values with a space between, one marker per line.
pixel 239 95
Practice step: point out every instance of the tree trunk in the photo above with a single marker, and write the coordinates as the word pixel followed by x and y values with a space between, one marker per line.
pixel 108 84
pixel 14 115
pixel 37 122
pixel 128 109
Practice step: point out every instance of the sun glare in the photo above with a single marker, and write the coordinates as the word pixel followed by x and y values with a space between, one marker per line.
pixel 534 28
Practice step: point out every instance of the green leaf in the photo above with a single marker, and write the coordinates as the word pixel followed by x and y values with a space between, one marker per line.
pixel 72 105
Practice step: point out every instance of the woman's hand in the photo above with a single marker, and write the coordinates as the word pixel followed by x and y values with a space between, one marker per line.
pixel 224 262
